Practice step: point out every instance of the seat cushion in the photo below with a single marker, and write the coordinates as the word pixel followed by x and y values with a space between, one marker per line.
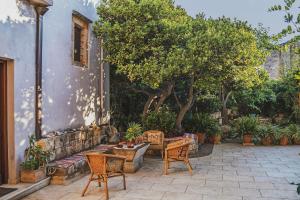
pixel 69 166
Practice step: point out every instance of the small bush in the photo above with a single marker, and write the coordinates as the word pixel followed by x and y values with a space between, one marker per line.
pixel 163 120
pixel 200 123
pixel 246 125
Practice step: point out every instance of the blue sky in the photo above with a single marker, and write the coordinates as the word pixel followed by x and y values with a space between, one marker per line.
pixel 253 11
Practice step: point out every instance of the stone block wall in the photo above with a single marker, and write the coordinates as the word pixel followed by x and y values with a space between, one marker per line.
pixel 62 144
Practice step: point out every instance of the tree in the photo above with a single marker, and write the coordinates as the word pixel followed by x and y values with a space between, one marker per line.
pixel 291 17
pixel 241 78
pixel 139 37
pixel 216 49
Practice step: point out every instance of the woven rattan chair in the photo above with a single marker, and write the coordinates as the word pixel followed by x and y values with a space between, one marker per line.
pixel 156 140
pixel 177 151
pixel 104 166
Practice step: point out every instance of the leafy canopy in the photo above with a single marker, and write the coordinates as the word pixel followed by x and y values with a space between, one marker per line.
pixel 140 36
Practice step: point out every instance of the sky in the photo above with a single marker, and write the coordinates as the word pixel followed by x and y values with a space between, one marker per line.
pixel 253 11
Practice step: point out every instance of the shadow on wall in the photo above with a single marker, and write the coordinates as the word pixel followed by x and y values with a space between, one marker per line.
pixel 78 88
pixel 71 96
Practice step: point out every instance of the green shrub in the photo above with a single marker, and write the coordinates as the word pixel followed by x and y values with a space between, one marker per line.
pixel 280 132
pixel 199 123
pixel 264 131
pixel 246 125
pixel 163 120
pixel 294 131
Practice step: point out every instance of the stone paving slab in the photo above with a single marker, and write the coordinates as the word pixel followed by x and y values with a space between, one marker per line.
pixel 231 172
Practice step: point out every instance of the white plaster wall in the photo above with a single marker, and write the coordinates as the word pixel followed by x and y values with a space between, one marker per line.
pixel 70 93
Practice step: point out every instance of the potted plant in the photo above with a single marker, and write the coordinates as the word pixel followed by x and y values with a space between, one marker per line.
pixel 282 136
pixel 246 126
pixel 266 133
pixel 215 133
pixel 295 132
pixel 199 124
pixel 134 130
pixel 33 167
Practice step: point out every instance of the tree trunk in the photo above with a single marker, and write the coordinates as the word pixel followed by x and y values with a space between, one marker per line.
pixel 224 113
pixel 185 108
pixel 163 96
pixel 148 104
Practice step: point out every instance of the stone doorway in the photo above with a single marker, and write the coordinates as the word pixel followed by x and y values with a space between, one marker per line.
pixel 3 124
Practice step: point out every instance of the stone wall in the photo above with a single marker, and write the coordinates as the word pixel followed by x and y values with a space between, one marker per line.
pixel 280 61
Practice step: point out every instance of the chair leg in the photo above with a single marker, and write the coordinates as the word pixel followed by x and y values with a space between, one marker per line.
pixel 188 164
pixel 106 188
pixel 99 181
pixel 166 167
pixel 124 182
pixel 86 187
pixel 162 154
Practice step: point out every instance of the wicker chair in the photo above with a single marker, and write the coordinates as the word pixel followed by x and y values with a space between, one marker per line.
pixel 156 139
pixel 104 166
pixel 177 151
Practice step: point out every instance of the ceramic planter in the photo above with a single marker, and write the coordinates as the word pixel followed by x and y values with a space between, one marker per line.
pixel 201 138
pixel 247 138
pixel 215 139
pixel 284 140
pixel 130 144
pixel 32 176
pixel 267 141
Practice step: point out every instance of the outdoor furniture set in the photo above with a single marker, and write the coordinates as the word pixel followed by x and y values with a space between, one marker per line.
pixel 75 153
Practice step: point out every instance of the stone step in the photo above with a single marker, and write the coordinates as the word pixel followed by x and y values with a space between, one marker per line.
pixel 21 193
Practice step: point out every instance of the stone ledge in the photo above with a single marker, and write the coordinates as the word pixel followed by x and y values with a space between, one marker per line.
pixel 21 193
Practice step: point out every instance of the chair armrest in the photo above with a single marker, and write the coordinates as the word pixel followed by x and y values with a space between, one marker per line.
pixel 177 146
pixel 115 156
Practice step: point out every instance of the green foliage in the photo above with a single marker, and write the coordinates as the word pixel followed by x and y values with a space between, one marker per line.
pixel 280 132
pixel 294 130
pixel 35 156
pixel 291 17
pixel 246 125
pixel 141 36
pixel 207 103
pixel 163 120
pixel 259 100
pixel 264 131
pixel 134 130
pixel 200 123
pixel 123 101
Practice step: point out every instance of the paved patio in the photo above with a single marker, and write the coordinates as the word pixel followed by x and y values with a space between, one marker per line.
pixel 231 172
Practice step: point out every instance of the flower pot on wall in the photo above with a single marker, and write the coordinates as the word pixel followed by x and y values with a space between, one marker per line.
pixel 32 176
pixel 201 138
pixel 284 140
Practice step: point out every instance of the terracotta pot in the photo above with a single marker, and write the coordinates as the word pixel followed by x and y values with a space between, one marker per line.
pixel 130 144
pixel 296 141
pixel 284 140
pixel 139 139
pixel 201 137
pixel 215 139
pixel 247 139
pixel 266 141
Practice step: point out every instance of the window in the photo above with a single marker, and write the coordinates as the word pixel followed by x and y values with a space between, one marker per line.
pixel 80 39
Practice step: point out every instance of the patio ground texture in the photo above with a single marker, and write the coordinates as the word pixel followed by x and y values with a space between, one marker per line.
pixel 231 172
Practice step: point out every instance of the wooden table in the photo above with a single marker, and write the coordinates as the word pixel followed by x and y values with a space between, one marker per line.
pixel 134 156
